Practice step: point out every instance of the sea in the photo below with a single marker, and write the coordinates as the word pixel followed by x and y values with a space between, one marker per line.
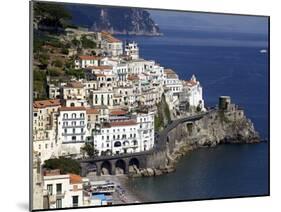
pixel 226 62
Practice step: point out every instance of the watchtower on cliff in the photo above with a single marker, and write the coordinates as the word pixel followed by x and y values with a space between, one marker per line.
pixel 224 103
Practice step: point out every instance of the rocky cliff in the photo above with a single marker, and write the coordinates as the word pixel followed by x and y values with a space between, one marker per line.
pixel 116 20
pixel 216 127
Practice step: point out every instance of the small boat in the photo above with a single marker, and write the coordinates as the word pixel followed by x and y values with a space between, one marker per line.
pixel 263 51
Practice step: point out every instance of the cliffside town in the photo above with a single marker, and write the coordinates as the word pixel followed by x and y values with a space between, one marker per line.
pixel 97 100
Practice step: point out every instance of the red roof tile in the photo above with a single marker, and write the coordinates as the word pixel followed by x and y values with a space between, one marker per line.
pixel 75 179
pixel 89 57
pixel 72 108
pixel 123 123
pixel 46 103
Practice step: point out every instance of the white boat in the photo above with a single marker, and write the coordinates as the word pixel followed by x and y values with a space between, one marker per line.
pixel 263 51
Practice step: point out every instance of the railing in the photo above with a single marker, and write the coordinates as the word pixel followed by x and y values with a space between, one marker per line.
pixel 72 134
pixel 73 119
pixel 70 126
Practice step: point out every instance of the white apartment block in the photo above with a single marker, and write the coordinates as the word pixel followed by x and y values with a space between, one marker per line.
pixel 172 82
pixel 125 135
pixel 113 46
pixel 63 190
pixel 102 97
pixel 45 114
pixel 132 50
pixel 72 129
pixel 193 92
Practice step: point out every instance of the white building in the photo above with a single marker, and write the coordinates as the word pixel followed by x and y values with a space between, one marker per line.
pixel 72 129
pixel 192 93
pixel 125 135
pixel 63 190
pixel 44 134
pixel 132 50
pixel 74 90
pixel 113 46
pixel 172 82
pixel 85 61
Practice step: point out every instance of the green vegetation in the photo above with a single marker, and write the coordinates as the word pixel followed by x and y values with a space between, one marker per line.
pixel 66 165
pixel 87 43
pixel 78 73
pixel 163 116
pixel 89 149
pixel 57 63
pixel 39 84
pixel 54 16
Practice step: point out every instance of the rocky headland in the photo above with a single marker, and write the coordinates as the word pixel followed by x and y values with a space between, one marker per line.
pixel 219 126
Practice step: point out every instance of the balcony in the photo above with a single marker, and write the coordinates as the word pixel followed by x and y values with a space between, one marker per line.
pixel 74 126
pixel 74 119
pixel 73 134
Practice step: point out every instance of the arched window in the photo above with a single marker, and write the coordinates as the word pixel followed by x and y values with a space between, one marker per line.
pixel 65 116
pixel 81 115
pixel 117 144
pixel 135 142
pixel 73 115
pixel 72 104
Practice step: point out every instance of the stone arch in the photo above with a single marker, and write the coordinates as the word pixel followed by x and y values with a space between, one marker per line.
pixel 120 167
pixel 92 168
pixel 134 165
pixel 106 168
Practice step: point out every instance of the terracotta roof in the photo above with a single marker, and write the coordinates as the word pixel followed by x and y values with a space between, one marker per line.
pixel 109 38
pixel 123 123
pixel 74 85
pixel 169 71
pixel 133 77
pixel 89 57
pixel 118 112
pixel 100 75
pixel 92 111
pixel 102 67
pixel 72 108
pixel 52 172
pixel 75 179
pixel 46 103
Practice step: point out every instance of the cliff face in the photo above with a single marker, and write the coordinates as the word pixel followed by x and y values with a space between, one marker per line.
pixel 114 20
pixel 214 128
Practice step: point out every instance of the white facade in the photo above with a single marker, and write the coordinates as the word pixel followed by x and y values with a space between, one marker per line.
pixel 172 82
pixel 63 190
pixel 86 61
pixel 132 50
pixel 72 131
pixel 194 93
pixel 126 135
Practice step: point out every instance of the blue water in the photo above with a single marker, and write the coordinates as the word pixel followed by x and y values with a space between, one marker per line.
pixel 226 63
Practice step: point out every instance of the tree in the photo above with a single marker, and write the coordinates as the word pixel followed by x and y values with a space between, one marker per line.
pixel 90 149
pixel 87 43
pixel 50 14
pixel 66 165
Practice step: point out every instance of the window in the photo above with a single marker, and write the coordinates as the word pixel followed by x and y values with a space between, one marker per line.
pixel 46 146
pixel 81 123
pixel 73 130
pixel 81 115
pixel 65 116
pixel 75 201
pixel 73 115
pixel 73 138
pixel 59 203
pixel 65 130
pixel 39 146
pixel 59 188
pixel 82 130
pixel 50 189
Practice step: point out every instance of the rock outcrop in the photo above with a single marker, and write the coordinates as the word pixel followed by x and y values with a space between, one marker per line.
pixel 116 20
